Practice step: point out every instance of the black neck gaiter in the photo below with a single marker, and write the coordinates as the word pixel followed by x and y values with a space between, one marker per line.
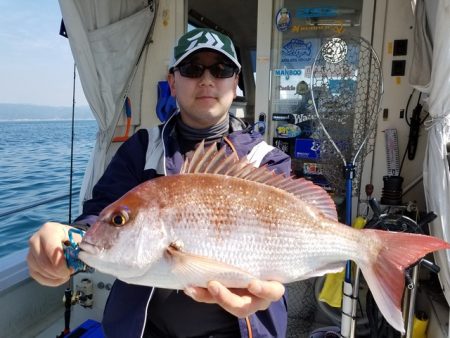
pixel 189 136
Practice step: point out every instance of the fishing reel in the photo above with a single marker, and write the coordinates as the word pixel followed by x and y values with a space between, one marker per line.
pixel 83 295
pixel 401 223
pixel 83 290
pixel 398 222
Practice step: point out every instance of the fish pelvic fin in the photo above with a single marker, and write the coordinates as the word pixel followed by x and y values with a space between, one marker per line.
pixel 385 276
pixel 212 161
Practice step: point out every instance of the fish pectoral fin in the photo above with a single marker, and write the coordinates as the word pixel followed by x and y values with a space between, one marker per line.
pixel 197 270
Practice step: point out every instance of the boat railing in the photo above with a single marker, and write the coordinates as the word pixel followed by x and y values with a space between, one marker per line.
pixel 13 211
pixel 13 267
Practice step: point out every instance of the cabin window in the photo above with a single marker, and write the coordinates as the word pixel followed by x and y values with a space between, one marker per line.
pixel 298 30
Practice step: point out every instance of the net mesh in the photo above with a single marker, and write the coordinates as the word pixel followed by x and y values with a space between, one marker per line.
pixel 346 87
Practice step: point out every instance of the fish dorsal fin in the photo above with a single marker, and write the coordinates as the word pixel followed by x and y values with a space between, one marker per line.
pixel 212 161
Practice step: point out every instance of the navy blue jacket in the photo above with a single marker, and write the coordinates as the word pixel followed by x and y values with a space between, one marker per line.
pixel 126 309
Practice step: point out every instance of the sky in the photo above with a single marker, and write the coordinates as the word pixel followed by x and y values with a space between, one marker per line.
pixel 36 64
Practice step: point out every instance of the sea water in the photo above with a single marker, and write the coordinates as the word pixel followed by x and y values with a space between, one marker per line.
pixel 35 166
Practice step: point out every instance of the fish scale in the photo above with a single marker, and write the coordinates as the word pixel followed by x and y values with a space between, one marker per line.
pixel 234 223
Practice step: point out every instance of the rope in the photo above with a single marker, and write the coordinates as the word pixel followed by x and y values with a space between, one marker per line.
pixel 437 120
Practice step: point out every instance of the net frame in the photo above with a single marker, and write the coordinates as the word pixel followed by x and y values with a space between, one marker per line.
pixel 346 90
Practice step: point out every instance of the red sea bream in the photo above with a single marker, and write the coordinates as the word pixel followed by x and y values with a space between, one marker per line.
pixel 224 220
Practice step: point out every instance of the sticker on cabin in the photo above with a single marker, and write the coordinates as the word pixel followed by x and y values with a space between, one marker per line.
pixel 306 148
pixel 283 19
pixel 312 169
pixel 287 73
pixel 335 50
pixel 288 130
pixel 289 88
pixel 297 48
pixel 298 53
pixel 336 28
pixel 318 12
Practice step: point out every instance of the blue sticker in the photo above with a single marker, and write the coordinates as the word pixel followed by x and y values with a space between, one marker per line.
pixel 298 53
pixel 297 48
pixel 319 12
pixel 307 148
pixel 337 87
pixel 283 20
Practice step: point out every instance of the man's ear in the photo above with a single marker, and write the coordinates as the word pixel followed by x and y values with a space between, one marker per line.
pixel 171 81
pixel 236 83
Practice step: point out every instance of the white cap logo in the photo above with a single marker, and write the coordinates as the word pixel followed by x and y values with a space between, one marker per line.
pixel 212 40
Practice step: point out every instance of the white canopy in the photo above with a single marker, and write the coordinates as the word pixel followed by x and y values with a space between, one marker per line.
pixel 107 38
pixel 436 168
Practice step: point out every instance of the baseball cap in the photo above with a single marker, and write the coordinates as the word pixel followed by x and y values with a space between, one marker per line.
pixel 203 38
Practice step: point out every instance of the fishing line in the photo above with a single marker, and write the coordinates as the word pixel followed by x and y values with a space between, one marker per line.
pixel 72 142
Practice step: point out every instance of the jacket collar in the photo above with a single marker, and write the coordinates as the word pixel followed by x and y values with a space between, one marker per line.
pixel 172 154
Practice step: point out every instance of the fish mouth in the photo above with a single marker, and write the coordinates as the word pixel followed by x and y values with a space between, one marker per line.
pixel 90 248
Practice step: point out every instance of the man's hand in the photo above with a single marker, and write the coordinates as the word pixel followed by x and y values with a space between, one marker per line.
pixel 46 260
pixel 239 302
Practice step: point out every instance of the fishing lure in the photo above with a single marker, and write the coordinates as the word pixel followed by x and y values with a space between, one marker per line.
pixel 71 251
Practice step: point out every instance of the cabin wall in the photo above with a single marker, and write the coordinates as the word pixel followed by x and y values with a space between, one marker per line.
pixel 398 24
pixel 170 24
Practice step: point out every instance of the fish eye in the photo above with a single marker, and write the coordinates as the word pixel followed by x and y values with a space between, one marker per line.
pixel 120 218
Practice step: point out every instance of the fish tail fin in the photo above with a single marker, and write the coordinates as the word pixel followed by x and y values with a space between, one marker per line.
pixel 385 275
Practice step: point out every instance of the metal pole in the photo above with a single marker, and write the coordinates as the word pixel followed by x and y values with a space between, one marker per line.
pixel 412 300
pixel 348 320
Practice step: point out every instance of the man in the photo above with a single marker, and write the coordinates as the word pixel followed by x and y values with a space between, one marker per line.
pixel 203 78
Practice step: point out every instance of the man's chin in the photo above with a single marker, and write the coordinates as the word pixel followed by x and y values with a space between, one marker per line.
pixel 204 119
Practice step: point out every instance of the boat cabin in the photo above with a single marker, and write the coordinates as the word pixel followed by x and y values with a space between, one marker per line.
pixel 385 129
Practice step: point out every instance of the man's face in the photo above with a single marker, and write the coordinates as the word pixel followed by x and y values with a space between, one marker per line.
pixel 203 101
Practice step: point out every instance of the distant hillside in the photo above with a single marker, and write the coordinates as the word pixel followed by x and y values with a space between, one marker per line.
pixel 11 112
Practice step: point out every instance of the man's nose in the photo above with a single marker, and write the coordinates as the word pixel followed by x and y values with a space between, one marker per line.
pixel 207 77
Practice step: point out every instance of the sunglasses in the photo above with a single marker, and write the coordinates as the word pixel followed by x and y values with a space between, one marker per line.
pixel 195 70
